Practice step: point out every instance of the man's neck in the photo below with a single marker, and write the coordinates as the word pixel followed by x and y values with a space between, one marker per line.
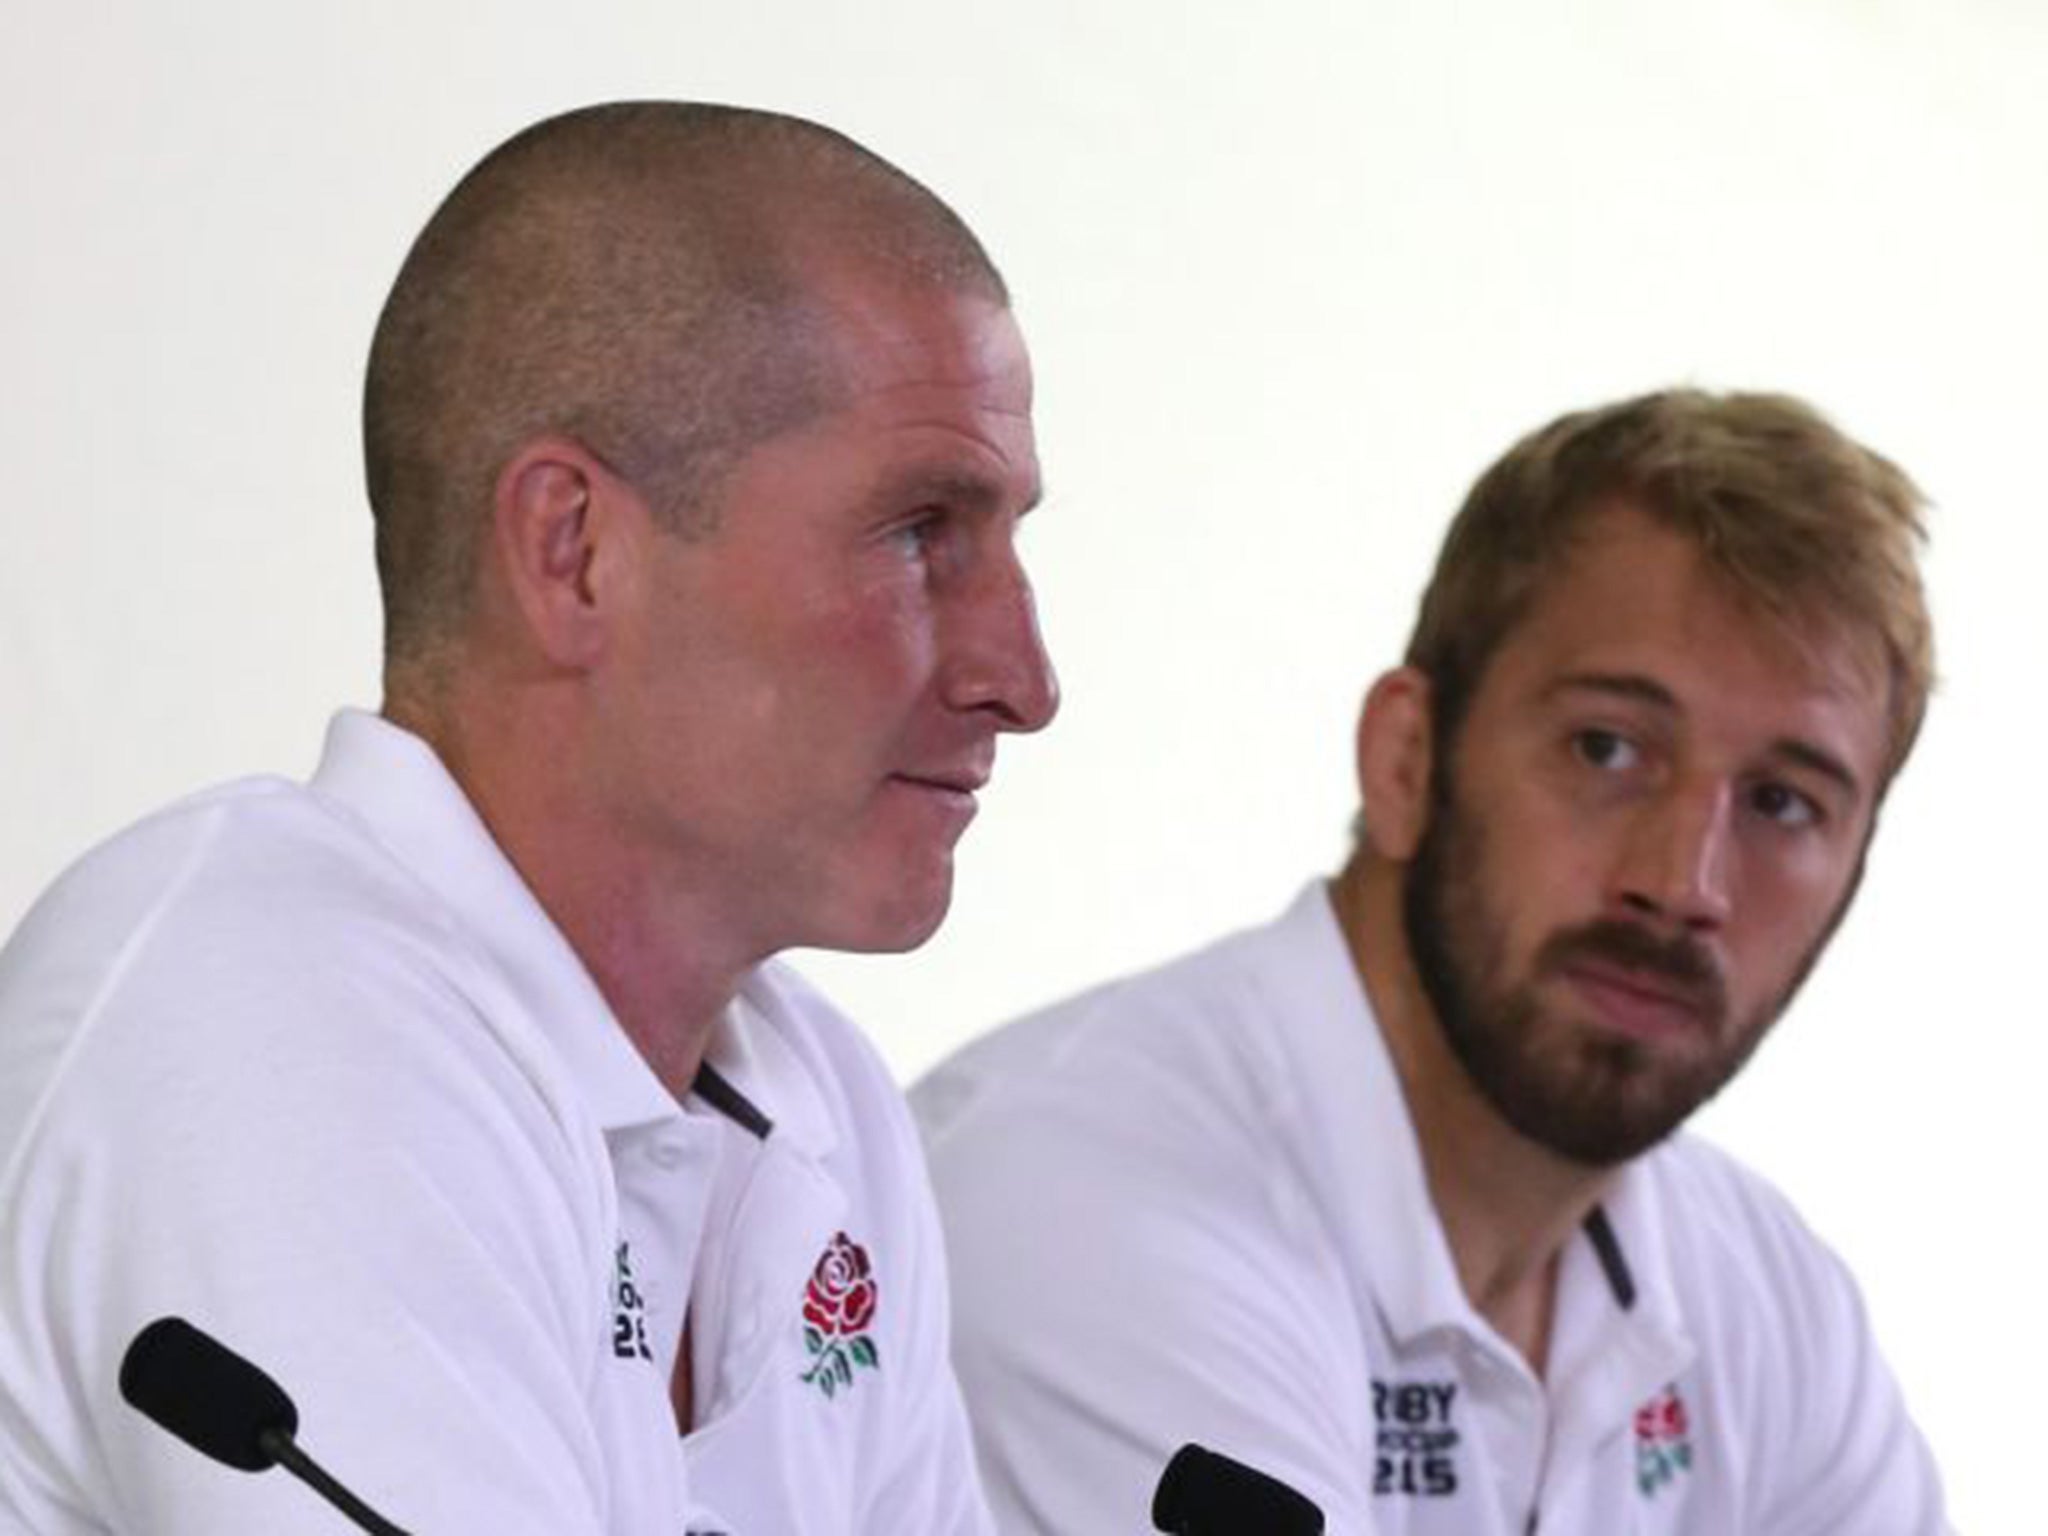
pixel 1508 1206
pixel 608 901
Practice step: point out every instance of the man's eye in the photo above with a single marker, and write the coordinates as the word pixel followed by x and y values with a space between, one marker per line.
pixel 1607 750
pixel 1783 804
pixel 913 536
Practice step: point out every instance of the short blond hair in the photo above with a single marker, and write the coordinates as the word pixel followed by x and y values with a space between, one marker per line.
pixel 1797 516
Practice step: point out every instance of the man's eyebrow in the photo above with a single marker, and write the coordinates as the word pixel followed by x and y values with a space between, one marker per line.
pixel 1624 685
pixel 1647 690
pixel 960 488
pixel 1819 760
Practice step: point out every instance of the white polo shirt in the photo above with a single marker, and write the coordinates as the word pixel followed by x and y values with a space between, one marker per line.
pixel 310 1067
pixel 1190 1206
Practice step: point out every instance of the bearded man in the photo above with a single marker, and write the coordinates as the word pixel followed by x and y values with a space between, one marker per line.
pixel 1385 1197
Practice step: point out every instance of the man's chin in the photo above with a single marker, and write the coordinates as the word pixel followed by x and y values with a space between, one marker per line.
pixel 897 941
pixel 1603 1144
pixel 1596 1126
pixel 898 920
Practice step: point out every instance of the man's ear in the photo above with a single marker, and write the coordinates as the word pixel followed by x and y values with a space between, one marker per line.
pixel 555 515
pixel 1395 743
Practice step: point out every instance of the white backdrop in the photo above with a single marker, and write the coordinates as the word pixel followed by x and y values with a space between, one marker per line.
pixel 1292 273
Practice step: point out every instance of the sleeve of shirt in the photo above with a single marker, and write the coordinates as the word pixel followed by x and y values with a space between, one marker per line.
pixel 340 1173
pixel 1130 1276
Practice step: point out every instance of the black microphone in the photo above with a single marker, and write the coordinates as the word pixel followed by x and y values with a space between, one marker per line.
pixel 226 1408
pixel 1204 1494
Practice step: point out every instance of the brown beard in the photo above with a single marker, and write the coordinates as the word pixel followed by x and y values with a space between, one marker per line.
pixel 1595 1099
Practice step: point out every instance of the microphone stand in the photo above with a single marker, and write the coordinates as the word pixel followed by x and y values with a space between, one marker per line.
pixel 278 1442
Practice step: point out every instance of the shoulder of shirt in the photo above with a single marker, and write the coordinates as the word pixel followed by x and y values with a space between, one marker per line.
pixel 1712 1186
pixel 172 856
pixel 1173 1032
pixel 1733 1232
pixel 245 911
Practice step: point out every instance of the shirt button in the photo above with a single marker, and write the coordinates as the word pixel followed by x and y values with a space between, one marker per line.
pixel 666 1156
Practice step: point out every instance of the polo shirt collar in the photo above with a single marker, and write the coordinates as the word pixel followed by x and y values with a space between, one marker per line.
pixel 1360 1128
pixel 753 1056
pixel 404 797
pixel 1634 1251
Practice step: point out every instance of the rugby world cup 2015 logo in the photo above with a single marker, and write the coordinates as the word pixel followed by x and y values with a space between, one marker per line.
pixel 1663 1441
pixel 839 1309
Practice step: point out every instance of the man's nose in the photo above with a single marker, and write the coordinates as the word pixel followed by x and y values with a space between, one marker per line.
pixel 996 657
pixel 1675 864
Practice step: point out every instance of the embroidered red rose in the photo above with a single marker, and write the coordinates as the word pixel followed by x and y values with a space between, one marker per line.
pixel 839 1304
pixel 1662 1418
pixel 841 1296
pixel 1672 1418
pixel 1663 1441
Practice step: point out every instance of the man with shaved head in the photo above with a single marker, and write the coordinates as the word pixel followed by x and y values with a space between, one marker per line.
pixel 458 1086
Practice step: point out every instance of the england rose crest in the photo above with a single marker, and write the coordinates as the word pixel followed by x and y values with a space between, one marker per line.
pixel 839 1307
pixel 1663 1441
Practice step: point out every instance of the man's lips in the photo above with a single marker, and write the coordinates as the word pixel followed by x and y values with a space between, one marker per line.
pixel 1640 1002
pixel 959 781
pixel 948 790
pixel 942 799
